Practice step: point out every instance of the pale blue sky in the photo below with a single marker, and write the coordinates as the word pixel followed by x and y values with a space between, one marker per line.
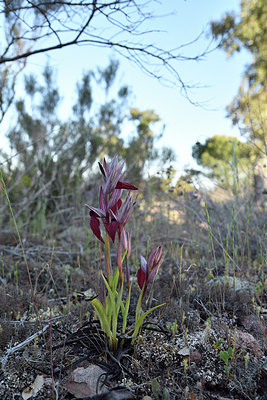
pixel 185 123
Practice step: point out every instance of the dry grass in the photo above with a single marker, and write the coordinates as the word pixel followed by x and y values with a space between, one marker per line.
pixel 212 279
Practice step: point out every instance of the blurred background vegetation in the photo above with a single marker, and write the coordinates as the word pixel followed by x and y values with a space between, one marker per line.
pixel 53 170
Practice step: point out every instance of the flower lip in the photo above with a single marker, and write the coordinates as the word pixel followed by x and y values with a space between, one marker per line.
pixel 95 226
pixel 141 278
pixel 125 185
pixel 112 229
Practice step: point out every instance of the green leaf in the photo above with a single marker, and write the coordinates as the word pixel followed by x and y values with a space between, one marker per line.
pixel 100 311
pixel 140 320
pixel 125 309
pixel 224 356
pixel 165 394
pixel 115 316
pixel 114 308
pixel 115 280
pixel 155 389
pixel 111 296
pixel 139 304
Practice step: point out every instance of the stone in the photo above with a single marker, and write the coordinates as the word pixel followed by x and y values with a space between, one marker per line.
pixel 248 341
pixel 195 356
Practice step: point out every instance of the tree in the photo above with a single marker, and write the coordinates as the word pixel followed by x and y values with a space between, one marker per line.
pixel 247 30
pixel 39 137
pixel 185 183
pixel 226 159
pixel 56 158
pixel 141 147
pixel 37 118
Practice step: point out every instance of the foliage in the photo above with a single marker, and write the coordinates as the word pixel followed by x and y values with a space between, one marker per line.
pixel 141 148
pixel 226 159
pixel 226 356
pixel 185 182
pixel 56 158
pixel 247 30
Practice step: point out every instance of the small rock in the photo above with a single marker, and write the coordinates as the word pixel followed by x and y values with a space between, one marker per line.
pixel 85 381
pixel 78 389
pixel 253 324
pixel 195 356
pixel 237 284
pixel 250 343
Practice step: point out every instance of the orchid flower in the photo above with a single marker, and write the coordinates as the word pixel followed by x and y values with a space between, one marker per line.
pixel 110 200
pixel 122 218
pixel 148 268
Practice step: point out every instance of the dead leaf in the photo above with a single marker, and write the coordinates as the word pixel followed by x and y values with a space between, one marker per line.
pixel 34 388
pixel 184 351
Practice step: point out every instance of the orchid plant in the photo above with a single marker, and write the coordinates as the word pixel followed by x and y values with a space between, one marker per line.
pixel 114 214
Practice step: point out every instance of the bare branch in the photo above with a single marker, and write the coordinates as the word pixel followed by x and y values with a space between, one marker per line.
pixel 53 25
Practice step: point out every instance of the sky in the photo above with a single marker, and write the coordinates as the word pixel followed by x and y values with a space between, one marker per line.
pixel 185 123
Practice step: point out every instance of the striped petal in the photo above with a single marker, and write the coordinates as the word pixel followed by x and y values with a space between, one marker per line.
pixel 125 185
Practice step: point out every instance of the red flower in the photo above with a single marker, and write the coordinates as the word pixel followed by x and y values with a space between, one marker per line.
pixel 110 223
pixel 110 201
pixel 148 268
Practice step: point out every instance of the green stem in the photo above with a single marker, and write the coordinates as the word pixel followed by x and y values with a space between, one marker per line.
pixel 119 259
pixel 107 257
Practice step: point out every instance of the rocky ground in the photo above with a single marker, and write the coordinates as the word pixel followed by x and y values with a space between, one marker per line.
pixel 209 342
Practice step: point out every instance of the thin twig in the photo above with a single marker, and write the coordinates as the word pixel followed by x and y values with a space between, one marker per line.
pixel 20 346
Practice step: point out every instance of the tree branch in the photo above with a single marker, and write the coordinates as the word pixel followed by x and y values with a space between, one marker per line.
pixel 39 21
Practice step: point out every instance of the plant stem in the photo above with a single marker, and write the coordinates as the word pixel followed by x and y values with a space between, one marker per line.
pixel 107 256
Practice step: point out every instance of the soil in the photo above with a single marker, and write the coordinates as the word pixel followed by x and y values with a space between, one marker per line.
pixel 52 347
